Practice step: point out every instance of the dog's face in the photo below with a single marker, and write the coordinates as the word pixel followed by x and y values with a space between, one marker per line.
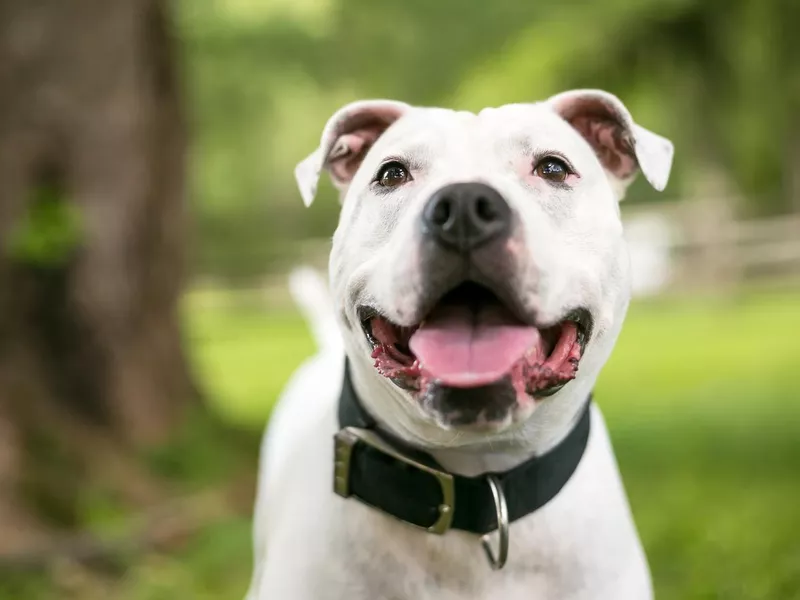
pixel 479 266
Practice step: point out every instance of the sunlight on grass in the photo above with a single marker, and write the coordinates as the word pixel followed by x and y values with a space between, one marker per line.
pixel 244 358
pixel 715 353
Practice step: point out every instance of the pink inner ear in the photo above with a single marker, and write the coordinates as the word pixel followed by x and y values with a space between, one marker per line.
pixel 610 141
pixel 348 152
pixel 357 135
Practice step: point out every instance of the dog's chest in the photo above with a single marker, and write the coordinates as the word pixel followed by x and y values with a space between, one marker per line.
pixel 351 552
pixel 408 567
pixel 394 563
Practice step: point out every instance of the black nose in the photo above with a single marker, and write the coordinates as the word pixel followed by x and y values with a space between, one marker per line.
pixel 464 216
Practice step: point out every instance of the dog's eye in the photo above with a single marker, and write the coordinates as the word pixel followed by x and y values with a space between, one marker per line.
pixel 392 174
pixel 553 169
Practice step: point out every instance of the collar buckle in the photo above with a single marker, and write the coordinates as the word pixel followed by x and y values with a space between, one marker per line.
pixel 344 442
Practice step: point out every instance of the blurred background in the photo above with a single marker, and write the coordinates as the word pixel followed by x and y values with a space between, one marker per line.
pixel 148 218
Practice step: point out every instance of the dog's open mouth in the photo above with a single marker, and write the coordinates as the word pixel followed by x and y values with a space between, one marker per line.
pixel 471 339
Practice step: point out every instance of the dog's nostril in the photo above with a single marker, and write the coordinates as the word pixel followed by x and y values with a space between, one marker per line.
pixel 464 216
pixel 486 210
pixel 441 211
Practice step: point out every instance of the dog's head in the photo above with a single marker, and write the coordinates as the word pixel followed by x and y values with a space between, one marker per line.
pixel 479 266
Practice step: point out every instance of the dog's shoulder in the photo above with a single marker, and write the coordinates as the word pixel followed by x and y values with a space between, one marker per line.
pixel 310 395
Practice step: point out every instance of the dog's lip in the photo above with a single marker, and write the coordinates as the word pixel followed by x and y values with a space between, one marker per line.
pixel 583 319
pixel 365 316
pixel 581 316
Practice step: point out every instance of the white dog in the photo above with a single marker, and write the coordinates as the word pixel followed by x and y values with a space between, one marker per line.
pixel 443 444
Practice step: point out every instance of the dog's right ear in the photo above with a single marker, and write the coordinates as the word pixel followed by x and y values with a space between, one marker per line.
pixel 347 137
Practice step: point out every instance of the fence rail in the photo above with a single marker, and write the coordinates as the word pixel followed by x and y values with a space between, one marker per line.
pixel 703 245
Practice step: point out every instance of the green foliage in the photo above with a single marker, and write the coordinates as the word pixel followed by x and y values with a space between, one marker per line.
pixel 49 231
pixel 720 78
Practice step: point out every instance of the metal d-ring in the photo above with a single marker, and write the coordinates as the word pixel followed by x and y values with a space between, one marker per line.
pixel 497 562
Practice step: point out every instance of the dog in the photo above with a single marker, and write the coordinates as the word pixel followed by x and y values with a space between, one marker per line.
pixel 443 443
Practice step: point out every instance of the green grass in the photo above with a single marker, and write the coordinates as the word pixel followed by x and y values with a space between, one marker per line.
pixel 244 355
pixel 702 398
pixel 703 403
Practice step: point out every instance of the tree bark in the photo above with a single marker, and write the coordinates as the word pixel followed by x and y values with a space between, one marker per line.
pixel 92 231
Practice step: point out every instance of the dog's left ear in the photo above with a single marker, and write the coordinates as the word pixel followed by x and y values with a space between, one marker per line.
pixel 621 145
pixel 347 137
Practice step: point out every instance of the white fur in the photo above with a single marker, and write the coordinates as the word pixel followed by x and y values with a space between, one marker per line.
pixel 569 252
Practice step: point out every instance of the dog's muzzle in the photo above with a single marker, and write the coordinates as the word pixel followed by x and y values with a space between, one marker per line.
pixel 462 217
pixel 471 353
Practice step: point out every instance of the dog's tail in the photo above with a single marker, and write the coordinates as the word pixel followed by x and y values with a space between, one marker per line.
pixel 311 294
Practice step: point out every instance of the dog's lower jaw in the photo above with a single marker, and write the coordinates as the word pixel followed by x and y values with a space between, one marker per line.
pixel 550 422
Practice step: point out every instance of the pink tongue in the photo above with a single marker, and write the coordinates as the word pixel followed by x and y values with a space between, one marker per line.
pixel 462 348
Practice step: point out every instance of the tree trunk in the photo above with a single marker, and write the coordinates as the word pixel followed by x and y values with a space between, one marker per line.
pixel 92 231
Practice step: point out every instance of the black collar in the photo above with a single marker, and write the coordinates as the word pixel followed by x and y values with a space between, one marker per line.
pixel 409 484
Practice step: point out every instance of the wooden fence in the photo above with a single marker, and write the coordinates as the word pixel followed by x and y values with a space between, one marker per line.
pixel 702 245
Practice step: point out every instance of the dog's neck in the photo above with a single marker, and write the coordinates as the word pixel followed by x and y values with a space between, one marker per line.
pixel 468 453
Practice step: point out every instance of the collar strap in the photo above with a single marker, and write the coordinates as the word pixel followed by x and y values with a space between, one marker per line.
pixel 410 485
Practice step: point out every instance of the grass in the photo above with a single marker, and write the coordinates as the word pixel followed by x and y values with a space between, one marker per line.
pixel 703 403
pixel 702 397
